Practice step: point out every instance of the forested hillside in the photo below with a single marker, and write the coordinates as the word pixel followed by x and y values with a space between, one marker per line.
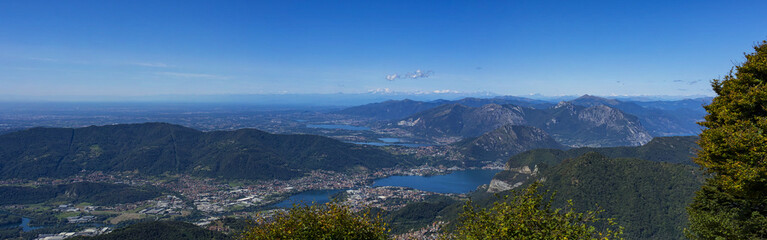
pixel 101 194
pixel 156 148
pixel 647 198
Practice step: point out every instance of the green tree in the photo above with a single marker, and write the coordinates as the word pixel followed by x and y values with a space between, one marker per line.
pixel 325 221
pixel 528 215
pixel 733 202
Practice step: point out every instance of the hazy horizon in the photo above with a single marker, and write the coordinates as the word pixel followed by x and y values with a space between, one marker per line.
pixel 326 99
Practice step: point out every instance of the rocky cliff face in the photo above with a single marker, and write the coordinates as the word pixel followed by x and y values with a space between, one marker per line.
pixel 614 120
pixel 506 141
pixel 511 178
pixel 595 126
pixel 660 118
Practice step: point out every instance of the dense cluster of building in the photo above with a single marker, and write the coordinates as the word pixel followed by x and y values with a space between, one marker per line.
pixel 387 198
pixel 430 232
pixel 88 232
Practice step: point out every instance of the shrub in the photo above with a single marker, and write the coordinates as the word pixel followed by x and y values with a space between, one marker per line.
pixel 528 215
pixel 324 221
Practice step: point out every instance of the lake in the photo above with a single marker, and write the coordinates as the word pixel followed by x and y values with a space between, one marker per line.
pixel 380 144
pixel 456 182
pixel 391 141
pixel 334 126
pixel 25 225
pixel 316 196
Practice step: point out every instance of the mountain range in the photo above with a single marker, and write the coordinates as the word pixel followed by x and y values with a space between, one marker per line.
pixel 471 117
pixel 398 109
pixel 660 118
pixel 157 148
pixel 568 124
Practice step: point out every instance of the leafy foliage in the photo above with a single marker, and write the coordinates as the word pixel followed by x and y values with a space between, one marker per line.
pixel 733 203
pixel 528 215
pixel 327 221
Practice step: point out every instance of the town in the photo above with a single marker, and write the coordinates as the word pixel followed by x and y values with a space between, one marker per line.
pixel 203 200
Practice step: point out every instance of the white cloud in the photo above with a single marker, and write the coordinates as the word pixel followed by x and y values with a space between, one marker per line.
pixel 419 74
pixel 381 91
pixel 445 91
pixel 414 75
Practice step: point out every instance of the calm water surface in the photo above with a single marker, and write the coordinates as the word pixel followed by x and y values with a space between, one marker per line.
pixel 25 225
pixel 456 182
pixel 392 141
pixel 381 144
pixel 316 196
pixel 334 126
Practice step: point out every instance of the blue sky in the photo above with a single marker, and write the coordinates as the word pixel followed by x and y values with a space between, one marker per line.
pixel 143 48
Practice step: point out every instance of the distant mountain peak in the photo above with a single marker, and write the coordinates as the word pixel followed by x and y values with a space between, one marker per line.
pixel 590 100
pixel 491 106
pixel 506 141
pixel 564 104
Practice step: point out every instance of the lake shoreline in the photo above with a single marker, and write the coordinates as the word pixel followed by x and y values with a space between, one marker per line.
pixel 464 180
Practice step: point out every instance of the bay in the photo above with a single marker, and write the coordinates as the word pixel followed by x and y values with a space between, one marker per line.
pixel 308 197
pixel 336 126
pixel 456 182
